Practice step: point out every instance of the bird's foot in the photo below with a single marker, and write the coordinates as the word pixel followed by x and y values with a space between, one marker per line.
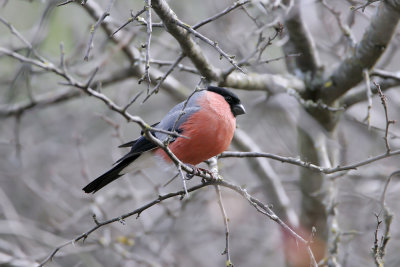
pixel 198 171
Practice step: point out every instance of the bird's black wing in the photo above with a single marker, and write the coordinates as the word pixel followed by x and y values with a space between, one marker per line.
pixel 139 146
pixel 131 143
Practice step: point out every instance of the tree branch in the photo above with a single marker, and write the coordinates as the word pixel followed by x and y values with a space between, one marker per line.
pixel 257 204
pixel 367 52
pixel 307 165
pixel 300 41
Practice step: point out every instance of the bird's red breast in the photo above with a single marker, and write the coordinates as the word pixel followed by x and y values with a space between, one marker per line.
pixel 210 131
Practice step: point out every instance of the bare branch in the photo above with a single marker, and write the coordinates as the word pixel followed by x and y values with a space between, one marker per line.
pixel 364 6
pixel 211 43
pixel 226 224
pixel 22 38
pixel 149 29
pixel 343 27
pixel 268 177
pixel 235 5
pixel 85 88
pixel 131 52
pixel 367 52
pixel 300 41
pixel 93 29
pixel 189 47
pixel 307 165
pixel 385 74
pixel 258 205
pixel 131 19
pixel 388 122
pixel 162 79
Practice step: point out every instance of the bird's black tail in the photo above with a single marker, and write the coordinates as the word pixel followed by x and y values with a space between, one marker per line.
pixel 108 177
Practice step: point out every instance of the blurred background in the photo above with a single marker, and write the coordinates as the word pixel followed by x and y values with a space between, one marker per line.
pixel 54 139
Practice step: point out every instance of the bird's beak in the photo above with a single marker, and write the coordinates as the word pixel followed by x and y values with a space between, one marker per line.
pixel 238 110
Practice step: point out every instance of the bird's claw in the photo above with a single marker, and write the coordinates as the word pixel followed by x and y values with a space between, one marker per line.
pixel 198 171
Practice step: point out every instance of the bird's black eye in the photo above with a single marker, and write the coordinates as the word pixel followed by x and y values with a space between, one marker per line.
pixel 228 99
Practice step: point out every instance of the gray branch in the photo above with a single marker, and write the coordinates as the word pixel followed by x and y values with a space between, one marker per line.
pixel 367 52
pixel 300 41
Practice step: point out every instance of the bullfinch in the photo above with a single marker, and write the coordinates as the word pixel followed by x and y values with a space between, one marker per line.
pixel 207 126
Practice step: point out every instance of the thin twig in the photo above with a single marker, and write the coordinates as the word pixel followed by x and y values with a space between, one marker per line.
pixel 298 162
pixel 162 79
pixel 258 205
pixel 211 43
pixel 226 224
pixel 387 185
pixel 93 29
pixel 179 66
pixel 388 122
pixel 260 47
pixel 146 75
pixel 88 90
pixel 220 14
pixel 362 7
pixel 131 19
pixel 375 249
pixel 385 74
pixel 278 58
pixel 183 180
pixel 312 104
pixel 133 100
pixel 22 38
pixel 343 27
pixel 66 2
pixel 197 89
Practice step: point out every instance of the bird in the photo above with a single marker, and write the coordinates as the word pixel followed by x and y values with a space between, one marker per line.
pixel 205 123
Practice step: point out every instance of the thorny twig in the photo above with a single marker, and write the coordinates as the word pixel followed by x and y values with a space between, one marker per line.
pixel 162 79
pixel 379 250
pixel 146 75
pixel 93 29
pixel 85 87
pixel 211 43
pixel 22 38
pixel 388 122
pixel 308 165
pixel 261 207
pixel 197 89
pixel 260 47
pixel 226 224
pixel 131 19
pixel 220 14
pixel 180 66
